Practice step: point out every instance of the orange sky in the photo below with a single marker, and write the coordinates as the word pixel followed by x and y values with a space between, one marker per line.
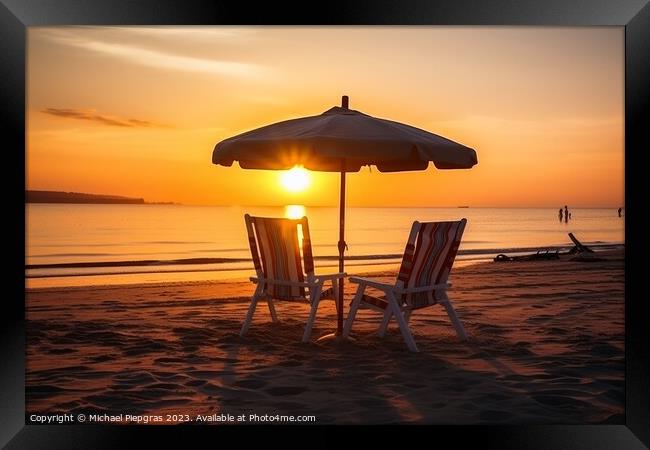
pixel 137 111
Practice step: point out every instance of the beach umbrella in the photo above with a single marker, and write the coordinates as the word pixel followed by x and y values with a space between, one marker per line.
pixel 342 140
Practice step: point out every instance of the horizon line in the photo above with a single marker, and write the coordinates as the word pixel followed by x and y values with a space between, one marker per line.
pixel 204 205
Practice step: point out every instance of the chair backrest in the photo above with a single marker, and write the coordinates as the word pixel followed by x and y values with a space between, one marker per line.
pixel 428 257
pixel 276 253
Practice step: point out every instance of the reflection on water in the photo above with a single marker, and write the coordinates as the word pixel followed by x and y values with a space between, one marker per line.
pixel 294 211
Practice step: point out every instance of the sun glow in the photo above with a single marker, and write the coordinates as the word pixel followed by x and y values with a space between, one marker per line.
pixel 295 180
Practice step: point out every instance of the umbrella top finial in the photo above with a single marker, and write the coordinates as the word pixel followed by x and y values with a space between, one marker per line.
pixel 345 101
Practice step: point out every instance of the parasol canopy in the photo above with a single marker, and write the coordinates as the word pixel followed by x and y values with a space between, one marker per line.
pixel 321 142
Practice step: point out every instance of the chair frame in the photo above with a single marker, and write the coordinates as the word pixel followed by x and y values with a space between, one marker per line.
pixel 314 283
pixel 402 312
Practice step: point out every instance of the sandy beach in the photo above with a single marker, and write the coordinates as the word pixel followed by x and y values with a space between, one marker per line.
pixel 546 345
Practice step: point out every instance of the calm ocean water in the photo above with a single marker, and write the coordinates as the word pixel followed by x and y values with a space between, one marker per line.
pixel 148 243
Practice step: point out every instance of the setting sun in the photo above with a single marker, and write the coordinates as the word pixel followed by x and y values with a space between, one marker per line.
pixel 295 180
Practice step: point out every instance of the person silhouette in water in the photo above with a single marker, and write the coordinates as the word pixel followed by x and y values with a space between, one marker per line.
pixel 559 214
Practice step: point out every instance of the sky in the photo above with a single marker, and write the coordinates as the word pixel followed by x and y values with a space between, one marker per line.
pixel 137 111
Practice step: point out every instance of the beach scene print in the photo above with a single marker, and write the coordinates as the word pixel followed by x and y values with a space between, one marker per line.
pixel 325 225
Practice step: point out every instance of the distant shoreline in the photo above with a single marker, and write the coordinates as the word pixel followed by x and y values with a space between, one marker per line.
pixel 83 198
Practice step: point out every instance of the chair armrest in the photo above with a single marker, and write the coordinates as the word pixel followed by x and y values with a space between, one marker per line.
pixel 372 283
pixel 280 282
pixel 331 276
pixel 413 290
pixel 389 287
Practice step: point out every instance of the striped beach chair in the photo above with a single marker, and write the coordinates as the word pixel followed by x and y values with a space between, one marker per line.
pixel 421 282
pixel 281 274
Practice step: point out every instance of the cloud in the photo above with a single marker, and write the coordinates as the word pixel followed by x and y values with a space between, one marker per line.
pixel 206 34
pixel 158 58
pixel 93 116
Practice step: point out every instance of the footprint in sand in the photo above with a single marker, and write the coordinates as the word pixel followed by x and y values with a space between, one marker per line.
pixel 286 390
pixel 100 358
pixel 210 388
pixel 492 415
pixel 371 402
pixel 559 401
pixel 415 385
pixel 251 384
pixel 61 351
pixel 43 390
pixel 167 360
pixel 290 406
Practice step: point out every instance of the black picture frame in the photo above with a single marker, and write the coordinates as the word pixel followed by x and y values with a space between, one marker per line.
pixel 17 15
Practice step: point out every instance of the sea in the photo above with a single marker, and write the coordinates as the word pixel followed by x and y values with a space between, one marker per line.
pixel 99 244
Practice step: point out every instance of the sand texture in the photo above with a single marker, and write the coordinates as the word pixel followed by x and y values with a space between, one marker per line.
pixel 546 345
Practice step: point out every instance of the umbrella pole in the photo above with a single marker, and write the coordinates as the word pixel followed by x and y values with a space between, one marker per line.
pixel 342 246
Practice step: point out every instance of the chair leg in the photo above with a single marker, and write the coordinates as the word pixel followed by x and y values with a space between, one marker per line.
pixel 353 310
pixel 274 315
pixel 249 315
pixel 407 315
pixel 314 299
pixel 451 312
pixel 406 332
pixel 388 314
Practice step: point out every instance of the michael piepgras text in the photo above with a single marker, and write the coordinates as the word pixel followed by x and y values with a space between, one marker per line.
pixel 214 418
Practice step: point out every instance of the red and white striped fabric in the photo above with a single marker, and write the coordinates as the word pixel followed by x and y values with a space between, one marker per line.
pixel 279 255
pixel 428 259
